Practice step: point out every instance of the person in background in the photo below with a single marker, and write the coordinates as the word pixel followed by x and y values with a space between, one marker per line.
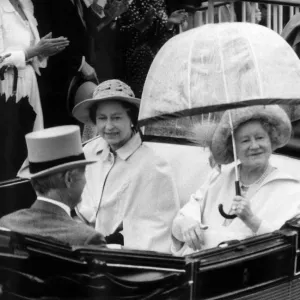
pixel 291 33
pixel 69 18
pixel 130 186
pixel 144 28
pixel 269 196
pixel 107 59
pixel 57 172
pixel 25 53
pixel 80 21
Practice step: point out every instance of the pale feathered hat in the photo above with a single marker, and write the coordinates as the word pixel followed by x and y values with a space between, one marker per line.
pixel 221 146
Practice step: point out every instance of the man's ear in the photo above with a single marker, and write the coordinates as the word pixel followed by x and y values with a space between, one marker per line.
pixel 68 178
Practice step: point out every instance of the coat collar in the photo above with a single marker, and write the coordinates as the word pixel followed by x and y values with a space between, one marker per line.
pixel 277 174
pixel 124 152
pixel 49 207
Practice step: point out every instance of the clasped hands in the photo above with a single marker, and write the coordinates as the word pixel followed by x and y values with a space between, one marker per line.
pixel 47 46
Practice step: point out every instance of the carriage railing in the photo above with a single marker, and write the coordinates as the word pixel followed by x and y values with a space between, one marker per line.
pixel 276 13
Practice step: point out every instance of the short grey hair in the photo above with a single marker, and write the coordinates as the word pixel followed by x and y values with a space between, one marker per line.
pixel 56 181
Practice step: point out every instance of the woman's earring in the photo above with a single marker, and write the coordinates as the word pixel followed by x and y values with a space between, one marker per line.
pixel 132 126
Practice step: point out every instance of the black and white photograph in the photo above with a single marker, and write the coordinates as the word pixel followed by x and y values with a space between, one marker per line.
pixel 150 150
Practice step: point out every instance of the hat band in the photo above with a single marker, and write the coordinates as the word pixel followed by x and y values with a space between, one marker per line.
pixel 41 166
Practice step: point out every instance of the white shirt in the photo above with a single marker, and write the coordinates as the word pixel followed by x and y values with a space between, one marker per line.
pixel 65 207
pixel 88 3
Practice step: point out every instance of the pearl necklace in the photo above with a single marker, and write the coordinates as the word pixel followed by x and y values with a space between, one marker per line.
pixel 267 171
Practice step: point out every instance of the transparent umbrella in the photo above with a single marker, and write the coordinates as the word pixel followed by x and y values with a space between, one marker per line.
pixel 202 72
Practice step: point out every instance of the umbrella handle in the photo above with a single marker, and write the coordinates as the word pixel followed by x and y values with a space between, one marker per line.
pixel 223 213
pixel 221 210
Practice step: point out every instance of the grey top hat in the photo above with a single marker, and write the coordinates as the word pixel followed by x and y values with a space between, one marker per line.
pixel 272 114
pixel 107 90
pixel 53 150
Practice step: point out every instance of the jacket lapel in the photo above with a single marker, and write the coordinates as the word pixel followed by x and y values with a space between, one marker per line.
pixel 79 9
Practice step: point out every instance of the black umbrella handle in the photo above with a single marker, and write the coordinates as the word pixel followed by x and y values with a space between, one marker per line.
pixel 221 210
pixel 237 188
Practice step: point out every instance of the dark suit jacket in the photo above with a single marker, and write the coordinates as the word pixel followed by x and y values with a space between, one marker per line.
pixel 45 219
pixel 63 20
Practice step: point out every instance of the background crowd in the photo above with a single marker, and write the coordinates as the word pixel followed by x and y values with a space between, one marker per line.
pixel 54 45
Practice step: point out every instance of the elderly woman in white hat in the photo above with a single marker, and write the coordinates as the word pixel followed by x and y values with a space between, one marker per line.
pixel 268 198
pixel 129 184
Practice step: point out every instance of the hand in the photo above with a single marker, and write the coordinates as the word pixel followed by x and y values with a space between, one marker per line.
pixel 178 17
pixel 49 46
pixel 2 58
pixel 258 15
pixel 89 72
pixel 192 233
pixel 97 8
pixel 242 209
pixel 114 8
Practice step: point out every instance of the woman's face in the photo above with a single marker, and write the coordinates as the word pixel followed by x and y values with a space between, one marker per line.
pixel 113 123
pixel 253 144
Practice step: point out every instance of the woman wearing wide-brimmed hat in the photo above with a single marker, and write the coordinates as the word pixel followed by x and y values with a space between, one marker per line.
pixel 129 184
pixel 268 198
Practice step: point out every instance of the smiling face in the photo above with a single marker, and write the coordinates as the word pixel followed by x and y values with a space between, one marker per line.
pixel 113 123
pixel 253 145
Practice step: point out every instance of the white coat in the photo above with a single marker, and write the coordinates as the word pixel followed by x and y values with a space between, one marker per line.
pixel 133 186
pixel 275 201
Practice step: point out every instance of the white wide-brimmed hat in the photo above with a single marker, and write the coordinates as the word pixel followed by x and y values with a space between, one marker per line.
pixel 53 150
pixel 271 114
pixel 107 90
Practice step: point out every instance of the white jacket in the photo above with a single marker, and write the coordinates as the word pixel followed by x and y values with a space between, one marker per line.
pixel 276 200
pixel 134 186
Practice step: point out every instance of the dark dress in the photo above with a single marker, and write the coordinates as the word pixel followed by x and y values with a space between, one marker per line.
pixel 139 48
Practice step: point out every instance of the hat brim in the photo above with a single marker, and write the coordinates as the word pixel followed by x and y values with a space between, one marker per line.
pixel 25 172
pixel 81 110
pixel 74 84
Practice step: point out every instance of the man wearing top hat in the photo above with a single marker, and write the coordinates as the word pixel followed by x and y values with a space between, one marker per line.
pixel 56 169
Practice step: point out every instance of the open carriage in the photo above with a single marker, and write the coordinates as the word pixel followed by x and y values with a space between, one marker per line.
pixel 264 267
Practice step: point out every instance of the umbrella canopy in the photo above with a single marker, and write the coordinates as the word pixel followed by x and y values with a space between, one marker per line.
pixel 198 74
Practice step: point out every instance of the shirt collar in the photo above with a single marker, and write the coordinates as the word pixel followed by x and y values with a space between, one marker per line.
pixel 125 151
pixel 65 207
